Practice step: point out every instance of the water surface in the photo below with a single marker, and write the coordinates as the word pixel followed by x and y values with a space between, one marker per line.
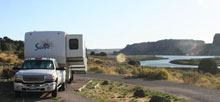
pixel 165 63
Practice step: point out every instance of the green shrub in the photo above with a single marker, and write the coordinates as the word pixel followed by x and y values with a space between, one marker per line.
pixel 208 65
pixel 101 54
pixel 135 71
pixel 8 73
pixel 137 87
pixel 156 74
pixel 92 53
pixel 99 62
pixel 21 55
pixel 134 63
pixel 96 69
pixel 121 70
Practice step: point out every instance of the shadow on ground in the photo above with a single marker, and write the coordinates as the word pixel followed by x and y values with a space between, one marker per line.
pixel 7 94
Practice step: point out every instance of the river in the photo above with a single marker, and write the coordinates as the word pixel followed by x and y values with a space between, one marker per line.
pixel 165 63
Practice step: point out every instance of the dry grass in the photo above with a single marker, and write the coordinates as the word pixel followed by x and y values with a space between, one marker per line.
pixel 109 65
pixel 121 92
pixel 9 58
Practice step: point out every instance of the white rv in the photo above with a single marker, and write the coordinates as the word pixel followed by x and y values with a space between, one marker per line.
pixel 52 57
pixel 68 49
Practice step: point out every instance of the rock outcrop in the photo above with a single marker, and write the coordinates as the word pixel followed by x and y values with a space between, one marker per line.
pixel 165 47
pixel 216 40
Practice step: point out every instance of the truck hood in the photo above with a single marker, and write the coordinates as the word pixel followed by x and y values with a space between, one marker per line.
pixel 36 72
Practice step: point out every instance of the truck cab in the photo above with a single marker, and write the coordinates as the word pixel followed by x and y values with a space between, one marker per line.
pixel 39 75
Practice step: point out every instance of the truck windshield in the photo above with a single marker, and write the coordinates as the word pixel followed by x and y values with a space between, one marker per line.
pixel 38 64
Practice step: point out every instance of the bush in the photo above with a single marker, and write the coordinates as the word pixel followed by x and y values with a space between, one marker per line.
pixel 96 69
pixel 156 74
pixel 99 62
pixel 136 71
pixel 137 87
pixel 92 53
pixel 21 55
pixel 8 73
pixel 134 63
pixel 208 65
pixel 191 78
pixel 102 54
pixel 121 70
pixel 5 60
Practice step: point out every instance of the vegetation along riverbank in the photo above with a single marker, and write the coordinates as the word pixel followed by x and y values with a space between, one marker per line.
pixel 119 65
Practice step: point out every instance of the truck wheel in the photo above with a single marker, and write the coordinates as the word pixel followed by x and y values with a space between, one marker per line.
pixel 17 94
pixel 63 87
pixel 72 77
pixel 54 93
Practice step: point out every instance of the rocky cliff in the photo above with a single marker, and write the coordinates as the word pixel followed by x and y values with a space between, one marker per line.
pixel 165 47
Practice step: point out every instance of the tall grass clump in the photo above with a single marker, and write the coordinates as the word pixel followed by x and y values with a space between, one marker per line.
pixel 191 78
pixel 155 74
pixel 121 70
pixel 96 69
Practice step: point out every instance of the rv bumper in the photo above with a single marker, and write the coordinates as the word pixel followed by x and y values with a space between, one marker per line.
pixel 78 69
pixel 45 87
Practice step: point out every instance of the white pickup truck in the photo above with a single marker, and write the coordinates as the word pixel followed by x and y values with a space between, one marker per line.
pixel 40 75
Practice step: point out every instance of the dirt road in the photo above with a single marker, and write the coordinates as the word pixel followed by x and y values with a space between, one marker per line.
pixel 192 93
pixel 63 96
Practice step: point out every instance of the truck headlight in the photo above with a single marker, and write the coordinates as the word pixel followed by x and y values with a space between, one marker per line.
pixel 18 78
pixel 49 78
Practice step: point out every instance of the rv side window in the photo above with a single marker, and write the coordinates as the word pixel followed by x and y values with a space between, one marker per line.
pixel 73 44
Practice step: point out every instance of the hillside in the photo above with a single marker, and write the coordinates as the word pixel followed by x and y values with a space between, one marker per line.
pixel 108 51
pixel 12 46
pixel 165 47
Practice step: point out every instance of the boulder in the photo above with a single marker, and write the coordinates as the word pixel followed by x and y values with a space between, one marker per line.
pixel 139 93
pixel 105 82
pixel 158 99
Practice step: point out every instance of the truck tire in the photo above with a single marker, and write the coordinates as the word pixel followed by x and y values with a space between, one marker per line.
pixel 54 93
pixel 71 77
pixel 17 94
pixel 63 87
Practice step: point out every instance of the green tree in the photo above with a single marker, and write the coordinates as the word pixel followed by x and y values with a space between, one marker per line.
pixel 92 53
pixel 102 54
pixel 4 46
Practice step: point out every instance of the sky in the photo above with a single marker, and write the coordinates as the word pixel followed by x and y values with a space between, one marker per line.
pixel 113 23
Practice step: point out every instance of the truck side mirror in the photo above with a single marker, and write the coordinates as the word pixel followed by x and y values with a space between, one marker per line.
pixel 15 68
pixel 61 68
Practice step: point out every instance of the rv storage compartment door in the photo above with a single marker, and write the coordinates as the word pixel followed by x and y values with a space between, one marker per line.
pixel 74 49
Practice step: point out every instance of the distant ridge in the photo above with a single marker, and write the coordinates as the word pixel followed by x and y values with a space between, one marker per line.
pixel 166 47
pixel 108 51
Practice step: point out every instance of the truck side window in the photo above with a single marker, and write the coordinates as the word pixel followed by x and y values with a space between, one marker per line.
pixel 73 44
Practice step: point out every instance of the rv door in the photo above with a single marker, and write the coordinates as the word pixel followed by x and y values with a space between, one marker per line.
pixel 75 49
